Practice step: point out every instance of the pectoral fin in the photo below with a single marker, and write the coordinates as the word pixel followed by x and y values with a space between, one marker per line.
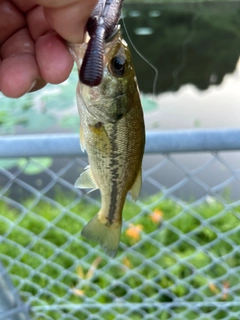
pixel 136 188
pixel 86 180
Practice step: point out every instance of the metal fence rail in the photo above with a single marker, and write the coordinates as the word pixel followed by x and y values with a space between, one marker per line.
pixel 157 142
pixel 179 253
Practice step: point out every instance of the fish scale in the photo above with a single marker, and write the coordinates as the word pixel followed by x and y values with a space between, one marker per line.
pixel 113 134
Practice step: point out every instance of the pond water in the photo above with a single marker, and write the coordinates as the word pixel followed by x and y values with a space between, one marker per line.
pixel 194 47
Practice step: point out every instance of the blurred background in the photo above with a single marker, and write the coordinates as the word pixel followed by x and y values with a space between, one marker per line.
pixel 185 225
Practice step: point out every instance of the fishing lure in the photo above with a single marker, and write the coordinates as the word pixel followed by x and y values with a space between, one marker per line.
pixel 101 27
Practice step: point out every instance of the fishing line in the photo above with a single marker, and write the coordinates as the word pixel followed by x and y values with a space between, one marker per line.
pixel 176 72
pixel 144 58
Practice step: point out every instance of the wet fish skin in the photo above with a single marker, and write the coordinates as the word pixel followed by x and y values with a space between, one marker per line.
pixel 113 134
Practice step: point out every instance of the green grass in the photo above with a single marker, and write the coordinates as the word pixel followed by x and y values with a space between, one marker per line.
pixel 50 263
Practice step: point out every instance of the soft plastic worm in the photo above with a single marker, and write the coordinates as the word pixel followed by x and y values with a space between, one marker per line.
pixel 91 71
pixel 101 26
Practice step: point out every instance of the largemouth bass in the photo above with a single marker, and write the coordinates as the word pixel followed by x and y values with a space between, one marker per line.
pixel 113 134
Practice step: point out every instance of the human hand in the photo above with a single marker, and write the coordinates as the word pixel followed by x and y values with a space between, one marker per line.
pixel 32 41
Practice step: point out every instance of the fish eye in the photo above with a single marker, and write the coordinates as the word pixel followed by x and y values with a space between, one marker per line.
pixel 118 66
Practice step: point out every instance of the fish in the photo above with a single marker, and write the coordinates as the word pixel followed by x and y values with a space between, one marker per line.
pixel 112 132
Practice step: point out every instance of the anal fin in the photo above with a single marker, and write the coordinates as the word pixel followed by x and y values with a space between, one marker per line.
pixel 136 188
pixel 86 180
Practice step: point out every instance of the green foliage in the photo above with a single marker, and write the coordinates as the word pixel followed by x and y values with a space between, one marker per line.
pixel 35 166
pixel 51 232
pixel 14 113
pixel 41 111
pixel 148 104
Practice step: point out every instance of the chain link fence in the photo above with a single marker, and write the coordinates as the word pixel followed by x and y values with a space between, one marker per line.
pixel 179 252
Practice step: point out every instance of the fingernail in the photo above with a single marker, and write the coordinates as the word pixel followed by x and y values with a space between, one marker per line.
pixel 32 86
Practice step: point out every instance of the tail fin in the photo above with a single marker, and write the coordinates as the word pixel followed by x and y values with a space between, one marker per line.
pixel 107 236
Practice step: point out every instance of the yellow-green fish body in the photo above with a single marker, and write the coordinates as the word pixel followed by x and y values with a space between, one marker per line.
pixel 113 134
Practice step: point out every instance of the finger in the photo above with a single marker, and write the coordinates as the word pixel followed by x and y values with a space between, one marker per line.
pixel 24 5
pixel 15 52
pixel 70 21
pixel 20 42
pixel 37 23
pixel 18 75
pixel 11 20
pixel 58 3
pixel 53 58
